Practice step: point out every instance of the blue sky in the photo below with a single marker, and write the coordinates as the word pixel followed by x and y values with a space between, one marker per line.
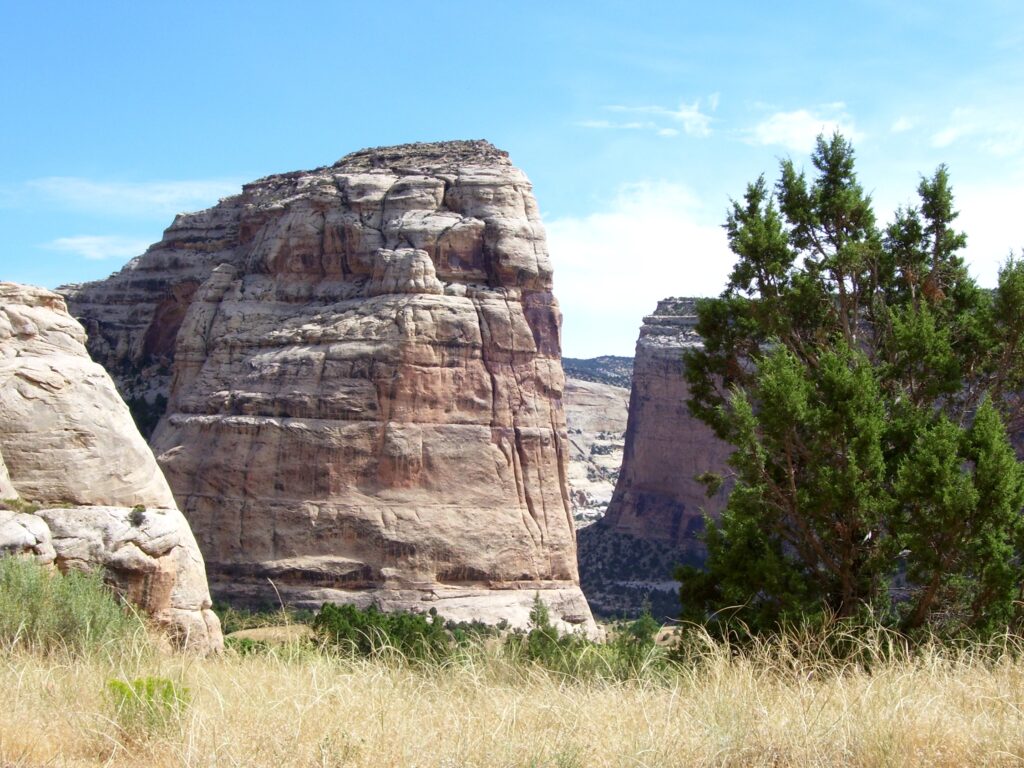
pixel 635 121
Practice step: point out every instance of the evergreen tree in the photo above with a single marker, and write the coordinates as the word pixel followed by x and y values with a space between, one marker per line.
pixel 865 382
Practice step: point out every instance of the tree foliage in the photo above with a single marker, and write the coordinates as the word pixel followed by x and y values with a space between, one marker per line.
pixel 867 384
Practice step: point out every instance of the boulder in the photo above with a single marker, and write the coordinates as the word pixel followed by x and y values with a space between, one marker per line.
pixel 71 453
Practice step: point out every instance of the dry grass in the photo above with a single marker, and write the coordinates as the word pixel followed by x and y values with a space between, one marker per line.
pixel 773 705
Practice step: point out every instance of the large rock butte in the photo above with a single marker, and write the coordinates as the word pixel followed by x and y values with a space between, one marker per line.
pixel 657 511
pixel 77 474
pixel 363 370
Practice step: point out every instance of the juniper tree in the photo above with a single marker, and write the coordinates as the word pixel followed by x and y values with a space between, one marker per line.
pixel 865 382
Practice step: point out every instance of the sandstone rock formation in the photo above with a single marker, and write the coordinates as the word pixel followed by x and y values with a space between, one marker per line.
pixel 70 453
pixel 364 382
pixel 596 417
pixel 656 512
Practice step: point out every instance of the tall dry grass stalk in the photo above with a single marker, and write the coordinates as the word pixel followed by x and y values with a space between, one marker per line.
pixel 775 704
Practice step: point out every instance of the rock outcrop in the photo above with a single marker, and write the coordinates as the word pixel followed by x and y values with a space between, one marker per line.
pixel 362 364
pixel 83 486
pixel 657 510
pixel 596 416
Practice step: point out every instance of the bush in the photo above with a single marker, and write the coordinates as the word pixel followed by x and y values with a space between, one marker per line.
pixel 43 610
pixel 146 706
pixel 370 632
pixel 634 643
pixel 630 655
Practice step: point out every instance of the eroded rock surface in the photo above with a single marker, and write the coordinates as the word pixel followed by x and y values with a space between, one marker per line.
pixel 596 417
pixel 364 382
pixel 656 513
pixel 70 452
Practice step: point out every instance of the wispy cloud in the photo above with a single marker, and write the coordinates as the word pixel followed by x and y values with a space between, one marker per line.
pixel 689 119
pixel 797 130
pixel 992 132
pixel 902 124
pixel 652 240
pixel 121 198
pixel 97 247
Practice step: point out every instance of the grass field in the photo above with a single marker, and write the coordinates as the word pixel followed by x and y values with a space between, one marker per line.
pixel 776 704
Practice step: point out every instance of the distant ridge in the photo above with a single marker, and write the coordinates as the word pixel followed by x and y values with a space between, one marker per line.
pixel 606 369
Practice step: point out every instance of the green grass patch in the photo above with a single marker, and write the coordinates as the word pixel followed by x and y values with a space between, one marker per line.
pixel 43 610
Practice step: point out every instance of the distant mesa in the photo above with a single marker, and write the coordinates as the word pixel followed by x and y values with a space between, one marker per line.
pixel 363 385
pixel 81 488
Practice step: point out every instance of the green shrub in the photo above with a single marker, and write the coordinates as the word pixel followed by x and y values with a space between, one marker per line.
pixel 630 654
pixel 370 632
pixel 634 645
pixel 19 505
pixel 43 610
pixel 146 706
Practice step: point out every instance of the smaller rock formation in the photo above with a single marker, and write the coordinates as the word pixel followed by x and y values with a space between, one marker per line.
pixel 83 487
pixel 657 511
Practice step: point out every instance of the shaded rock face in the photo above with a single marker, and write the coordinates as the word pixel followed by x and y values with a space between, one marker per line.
pixel 596 417
pixel 658 496
pixel 656 513
pixel 69 447
pixel 365 388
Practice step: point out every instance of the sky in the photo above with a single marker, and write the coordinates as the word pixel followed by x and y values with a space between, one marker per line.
pixel 636 122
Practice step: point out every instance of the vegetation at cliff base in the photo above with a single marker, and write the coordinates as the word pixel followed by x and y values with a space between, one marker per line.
pixel 46 611
pixel 866 383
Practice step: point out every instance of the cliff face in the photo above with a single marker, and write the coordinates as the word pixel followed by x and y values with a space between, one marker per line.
pixel 658 496
pixel 365 389
pixel 69 449
pixel 656 512
pixel 596 417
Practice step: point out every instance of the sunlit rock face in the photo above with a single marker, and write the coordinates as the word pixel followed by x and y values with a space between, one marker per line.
pixel 363 370
pixel 596 415
pixel 82 486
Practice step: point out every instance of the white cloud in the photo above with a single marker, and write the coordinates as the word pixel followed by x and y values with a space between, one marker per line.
pixel 901 124
pixel 694 122
pixel 99 246
pixel 993 133
pixel 612 266
pixel 990 215
pixel 691 119
pixel 633 125
pixel 798 130
pixel 121 198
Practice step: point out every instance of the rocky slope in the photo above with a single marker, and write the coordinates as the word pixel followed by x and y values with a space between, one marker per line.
pixel 81 486
pixel 596 417
pixel 614 370
pixel 364 383
pixel 656 512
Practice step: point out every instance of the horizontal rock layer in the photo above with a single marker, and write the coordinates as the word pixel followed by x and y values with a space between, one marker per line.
pixel 362 363
pixel 68 445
